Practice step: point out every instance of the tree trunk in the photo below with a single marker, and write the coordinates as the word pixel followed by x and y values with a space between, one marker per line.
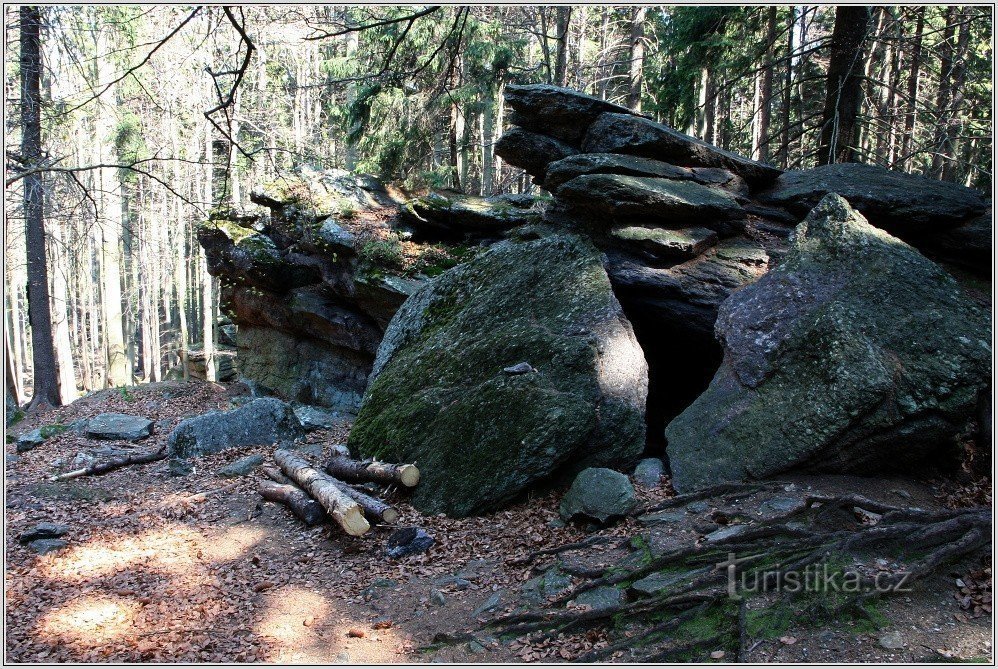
pixel 60 317
pixel 293 497
pixel 953 124
pixel 46 383
pixel 637 60
pixel 788 87
pixel 377 472
pixel 563 19
pixel 344 510
pixel 118 373
pixel 207 296
pixel 843 93
pixel 908 143
pixel 761 143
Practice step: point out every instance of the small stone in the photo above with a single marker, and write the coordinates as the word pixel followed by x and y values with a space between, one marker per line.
pixel 726 533
pixel 315 418
pixel 437 598
pixel 489 604
pixel 43 546
pixel 30 440
pixel 662 518
pixel 519 368
pixel 892 641
pixel 407 541
pixel 598 493
pixel 81 461
pixel 649 472
pixel 654 583
pixel 556 523
pixel 699 506
pixel 241 467
pixel 779 505
pixel 343 657
pixel 603 597
pixel 43 531
pixel 476 648
pixel 356 633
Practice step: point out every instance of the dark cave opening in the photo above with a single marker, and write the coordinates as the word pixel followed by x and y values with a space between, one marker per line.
pixel 682 357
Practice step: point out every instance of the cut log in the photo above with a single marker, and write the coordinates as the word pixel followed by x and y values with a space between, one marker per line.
pixel 373 507
pixel 275 475
pixel 295 499
pixel 378 472
pixel 344 510
pixel 113 464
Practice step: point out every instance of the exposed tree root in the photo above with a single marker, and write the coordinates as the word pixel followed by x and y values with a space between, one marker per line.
pixel 826 532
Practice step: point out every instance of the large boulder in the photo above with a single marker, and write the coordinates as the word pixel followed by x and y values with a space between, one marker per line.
pixel 637 136
pixel 904 204
pixel 856 354
pixel 448 390
pixel 263 421
pixel 560 112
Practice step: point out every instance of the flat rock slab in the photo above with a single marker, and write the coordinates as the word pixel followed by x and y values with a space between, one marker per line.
pixel 666 517
pixel 904 204
pixel 637 136
pixel 118 426
pixel 531 151
pixel 654 583
pixel 664 244
pixel 560 112
pixel 603 597
pixel 626 198
pixel 43 531
pixel 458 214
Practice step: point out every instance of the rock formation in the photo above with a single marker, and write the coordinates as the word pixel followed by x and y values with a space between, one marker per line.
pixel 856 354
pixel 315 279
pixel 510 369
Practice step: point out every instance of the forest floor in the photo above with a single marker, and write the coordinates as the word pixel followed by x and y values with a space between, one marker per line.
pixel 151 573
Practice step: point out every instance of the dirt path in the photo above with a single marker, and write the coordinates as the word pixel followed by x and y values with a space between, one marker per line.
pixel 150 576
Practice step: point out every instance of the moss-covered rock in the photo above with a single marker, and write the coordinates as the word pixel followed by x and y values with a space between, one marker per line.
pixel 481 436
pixel 856 354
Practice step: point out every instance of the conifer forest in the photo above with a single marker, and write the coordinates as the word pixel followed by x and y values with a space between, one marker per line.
pixel 371 334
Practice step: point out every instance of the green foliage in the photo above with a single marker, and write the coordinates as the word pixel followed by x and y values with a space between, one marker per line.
pixel 126 394
pixel 384 253
pixel 16 417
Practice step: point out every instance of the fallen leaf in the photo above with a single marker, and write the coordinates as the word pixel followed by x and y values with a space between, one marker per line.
pixel 356 633
pixel 717 655
pixel 789 640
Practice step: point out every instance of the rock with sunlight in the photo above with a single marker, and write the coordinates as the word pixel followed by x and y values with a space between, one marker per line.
pixel 263 421
pixel 439 395
pixel 856 354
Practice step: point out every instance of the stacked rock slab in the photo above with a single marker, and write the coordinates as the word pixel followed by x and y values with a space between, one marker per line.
pixel 310 294
pixel 856 354
pixel 674 215
pixel 685 224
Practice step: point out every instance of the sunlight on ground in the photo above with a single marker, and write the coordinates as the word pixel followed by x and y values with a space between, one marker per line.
pixel 90 620
pixel 171 549
pixel 305 628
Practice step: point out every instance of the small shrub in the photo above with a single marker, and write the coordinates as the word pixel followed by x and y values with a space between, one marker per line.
pixel 384 253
